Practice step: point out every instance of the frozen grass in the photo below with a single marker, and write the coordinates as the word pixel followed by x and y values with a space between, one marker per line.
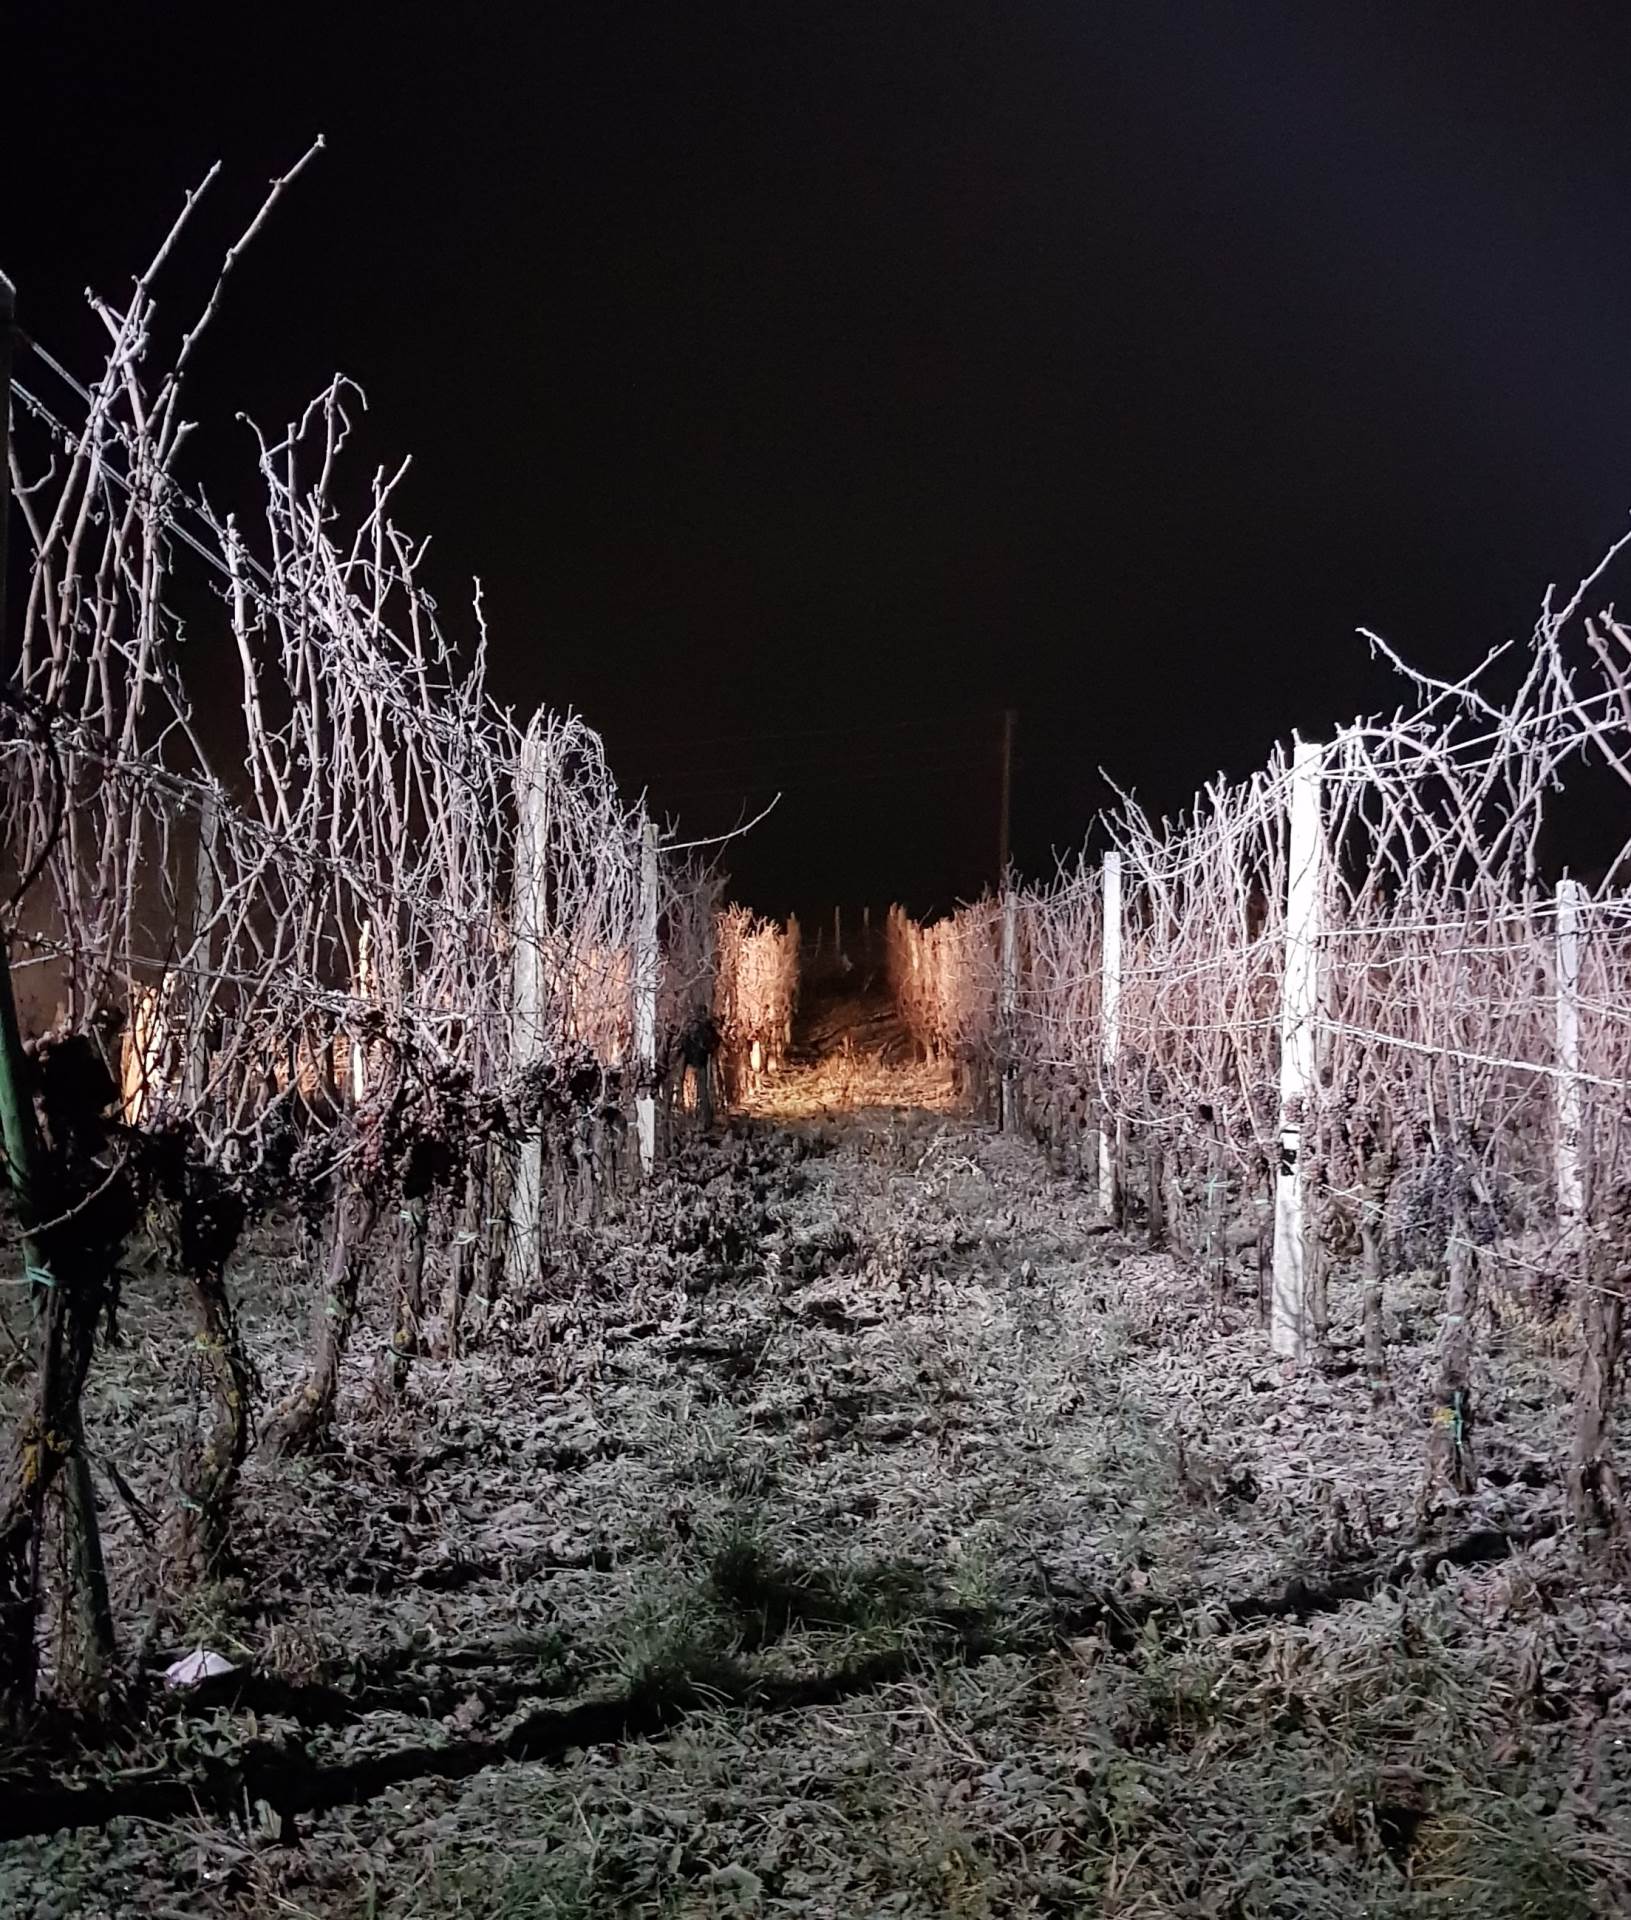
pixel 875 1412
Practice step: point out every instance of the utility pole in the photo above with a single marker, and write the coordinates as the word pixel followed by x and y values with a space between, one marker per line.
pixel 1008 962
pixel 1006 810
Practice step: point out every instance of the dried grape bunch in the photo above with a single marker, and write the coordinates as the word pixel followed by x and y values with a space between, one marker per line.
pixel 1434 1199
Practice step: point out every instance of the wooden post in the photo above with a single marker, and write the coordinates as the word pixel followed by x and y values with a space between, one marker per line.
pixel 1109 1033
pixel 1216 1214
pixel 528 909
pixel 1571 1154
pixel 1299 1000
pixel 710 1061
pixel 645 1002
pixel 1008 1088
pixel 206 898
pixel 1155 1173
pixel 1450 1459
pixel 1378 1174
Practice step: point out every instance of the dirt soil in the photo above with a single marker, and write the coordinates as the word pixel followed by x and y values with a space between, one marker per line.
pixel 857 1528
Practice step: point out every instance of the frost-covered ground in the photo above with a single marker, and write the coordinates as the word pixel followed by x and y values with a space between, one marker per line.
pixel 861 1530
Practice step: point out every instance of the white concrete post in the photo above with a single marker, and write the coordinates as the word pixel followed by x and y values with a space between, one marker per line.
pixel 1109 1025
pixel 527 1031
pixel 1571 1116
pixel 1299 1004
pixel 645 1002
pixel 363 989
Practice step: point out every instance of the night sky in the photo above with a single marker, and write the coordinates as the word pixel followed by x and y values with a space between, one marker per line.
pixel 807 383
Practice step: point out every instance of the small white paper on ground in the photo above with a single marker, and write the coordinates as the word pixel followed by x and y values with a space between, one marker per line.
pixel 194 1667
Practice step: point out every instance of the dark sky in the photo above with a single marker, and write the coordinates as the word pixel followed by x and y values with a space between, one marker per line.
pixel 806 383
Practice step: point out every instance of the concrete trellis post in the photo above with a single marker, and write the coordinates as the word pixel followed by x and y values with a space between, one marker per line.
pixel 1571 1151
pixel 527 1034
pixel 1109 1030
pixel 363 989
pixel 1299 1003
pixel 645 1002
